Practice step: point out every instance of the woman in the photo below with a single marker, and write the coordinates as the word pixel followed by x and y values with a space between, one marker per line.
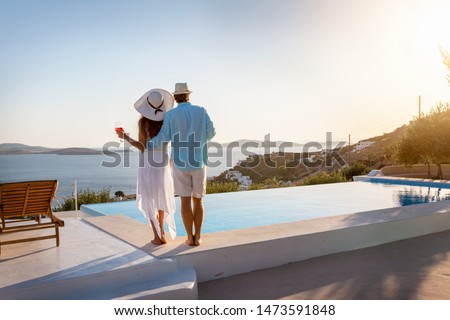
pixel 154 194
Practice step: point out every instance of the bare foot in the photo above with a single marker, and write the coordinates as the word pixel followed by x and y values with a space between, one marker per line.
pixel 190 241
pixel 163 239
pixel 156 242
pixel 197 240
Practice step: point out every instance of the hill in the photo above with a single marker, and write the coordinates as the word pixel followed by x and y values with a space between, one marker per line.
pixel 75 151
pixel 378 154
pixel 259 143
pixel 18 148
pixel 375 152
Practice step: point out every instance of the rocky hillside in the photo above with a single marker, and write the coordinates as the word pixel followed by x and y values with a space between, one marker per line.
pixel 294 167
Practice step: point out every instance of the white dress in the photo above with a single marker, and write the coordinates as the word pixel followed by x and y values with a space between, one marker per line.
pixel 154 190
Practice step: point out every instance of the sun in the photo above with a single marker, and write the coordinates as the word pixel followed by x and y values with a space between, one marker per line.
pixel 433 24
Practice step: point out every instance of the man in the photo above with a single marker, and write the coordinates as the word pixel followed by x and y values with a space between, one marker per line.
pixel 189 128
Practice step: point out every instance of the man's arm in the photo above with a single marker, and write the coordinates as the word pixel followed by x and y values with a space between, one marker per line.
pixel 210 130
pixel 162 137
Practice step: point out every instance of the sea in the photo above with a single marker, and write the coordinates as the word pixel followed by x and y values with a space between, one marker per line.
pixel 96 172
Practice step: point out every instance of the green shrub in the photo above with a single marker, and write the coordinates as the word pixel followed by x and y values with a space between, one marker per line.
pixel 269 183
pixel 85 196
pixel 219 187
pixel 323 177
pixel 355 169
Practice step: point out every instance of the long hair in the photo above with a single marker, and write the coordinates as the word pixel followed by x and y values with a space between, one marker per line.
pixel 150 127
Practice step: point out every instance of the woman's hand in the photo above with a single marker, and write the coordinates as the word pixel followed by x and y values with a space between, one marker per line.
pixel 120 134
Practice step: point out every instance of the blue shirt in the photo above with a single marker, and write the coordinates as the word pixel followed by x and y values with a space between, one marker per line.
pixel 189 128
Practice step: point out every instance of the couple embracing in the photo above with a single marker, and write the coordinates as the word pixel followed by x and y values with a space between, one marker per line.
pixel 188 129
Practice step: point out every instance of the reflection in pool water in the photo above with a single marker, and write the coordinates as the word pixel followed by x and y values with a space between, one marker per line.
pixel 425 195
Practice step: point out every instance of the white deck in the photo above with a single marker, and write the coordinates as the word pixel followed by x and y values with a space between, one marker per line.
pixel 94 263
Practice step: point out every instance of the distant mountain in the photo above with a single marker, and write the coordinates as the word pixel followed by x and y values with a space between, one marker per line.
pixel 18 148
pixel 75 151
pixel 259 142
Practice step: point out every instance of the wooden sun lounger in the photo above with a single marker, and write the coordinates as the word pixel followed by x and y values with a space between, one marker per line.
pixel 22 205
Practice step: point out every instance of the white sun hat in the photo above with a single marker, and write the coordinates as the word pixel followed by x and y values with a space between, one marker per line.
pixel 154 104
pixel 181 88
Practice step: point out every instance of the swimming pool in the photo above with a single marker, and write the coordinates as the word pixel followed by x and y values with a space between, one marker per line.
pixel 238 210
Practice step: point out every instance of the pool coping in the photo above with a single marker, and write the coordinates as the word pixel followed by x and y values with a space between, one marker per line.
pixel 404 181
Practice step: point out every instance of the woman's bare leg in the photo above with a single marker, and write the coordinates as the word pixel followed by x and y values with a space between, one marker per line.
pixel 161 226
pixel 156 241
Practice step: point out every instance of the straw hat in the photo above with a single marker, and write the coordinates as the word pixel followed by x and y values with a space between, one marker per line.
pixel 181 88
pixel 154 104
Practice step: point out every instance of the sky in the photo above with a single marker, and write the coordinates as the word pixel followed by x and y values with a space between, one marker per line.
pixel 294 69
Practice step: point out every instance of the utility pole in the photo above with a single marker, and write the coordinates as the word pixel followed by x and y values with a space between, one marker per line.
pixel 348 155
pixel 420 111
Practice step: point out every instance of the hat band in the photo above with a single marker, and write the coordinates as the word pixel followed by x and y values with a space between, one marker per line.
pixel 157 109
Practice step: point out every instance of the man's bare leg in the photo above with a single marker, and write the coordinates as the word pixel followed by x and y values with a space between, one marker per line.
pixel 188 219
pixel 199 212
pixel 161 226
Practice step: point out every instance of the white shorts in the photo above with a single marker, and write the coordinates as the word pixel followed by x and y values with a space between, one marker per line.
pixel 189 183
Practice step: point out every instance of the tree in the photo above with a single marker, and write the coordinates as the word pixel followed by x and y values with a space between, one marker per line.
pixel 119 194
pixel 446 61
pixel 439 135
pixel 427 140
pixel 413 148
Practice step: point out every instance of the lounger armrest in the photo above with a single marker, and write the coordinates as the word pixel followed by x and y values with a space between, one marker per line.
pixel 59 222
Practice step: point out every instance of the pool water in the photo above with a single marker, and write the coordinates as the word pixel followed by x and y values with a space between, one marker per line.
pixel 238 210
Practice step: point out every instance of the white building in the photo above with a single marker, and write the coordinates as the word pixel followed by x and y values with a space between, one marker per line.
pixel 237 176
pixel 361 145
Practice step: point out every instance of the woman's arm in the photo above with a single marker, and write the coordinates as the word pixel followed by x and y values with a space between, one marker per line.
pixel 142 140
pixel 134 143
